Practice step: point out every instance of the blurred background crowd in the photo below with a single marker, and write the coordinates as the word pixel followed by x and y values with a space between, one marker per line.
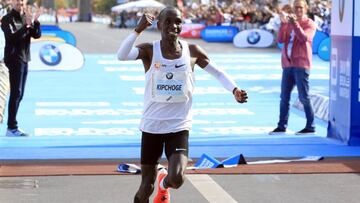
pixel 248 14
pixel 244 14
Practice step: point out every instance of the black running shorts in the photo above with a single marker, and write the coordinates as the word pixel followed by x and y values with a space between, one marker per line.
pixel 152 146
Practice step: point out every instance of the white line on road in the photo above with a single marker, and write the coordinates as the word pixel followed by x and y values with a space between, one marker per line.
pixel 211 191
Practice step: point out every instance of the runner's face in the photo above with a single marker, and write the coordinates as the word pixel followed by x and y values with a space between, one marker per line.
pixel 18 4
pixel 170 25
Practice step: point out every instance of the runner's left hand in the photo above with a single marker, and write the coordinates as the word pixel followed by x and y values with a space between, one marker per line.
pixel 240 95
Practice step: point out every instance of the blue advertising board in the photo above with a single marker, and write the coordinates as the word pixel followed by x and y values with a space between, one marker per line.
pixel 219 33
pixel 253 38
pixel 318 38
pixel 55 56
pixel 324 49
pixel 67 36
pixel 49 27
pixel 344 119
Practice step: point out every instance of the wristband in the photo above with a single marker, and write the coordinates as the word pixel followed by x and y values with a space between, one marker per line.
pixel 234 90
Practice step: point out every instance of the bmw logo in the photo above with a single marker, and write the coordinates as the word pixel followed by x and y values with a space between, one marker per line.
pixel 50 55
pixel 169 76
pixel 253 37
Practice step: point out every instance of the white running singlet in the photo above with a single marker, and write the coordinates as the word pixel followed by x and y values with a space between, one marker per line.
pixel 169 85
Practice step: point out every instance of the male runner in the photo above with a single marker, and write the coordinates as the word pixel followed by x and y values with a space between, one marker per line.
pixel 166 121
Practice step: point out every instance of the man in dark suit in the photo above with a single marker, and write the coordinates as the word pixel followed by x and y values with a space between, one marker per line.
pixel 18 27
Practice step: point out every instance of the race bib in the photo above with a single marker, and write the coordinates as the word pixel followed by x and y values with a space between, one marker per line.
pixel 170 87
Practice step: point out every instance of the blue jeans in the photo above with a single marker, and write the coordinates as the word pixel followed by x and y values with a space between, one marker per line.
pixel 300 77
pixel 18 71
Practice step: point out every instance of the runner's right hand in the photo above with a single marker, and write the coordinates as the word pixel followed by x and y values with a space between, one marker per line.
pixel 145 21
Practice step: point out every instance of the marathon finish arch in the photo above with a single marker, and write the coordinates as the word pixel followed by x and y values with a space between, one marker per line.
pixel 219 33
pixel 344 107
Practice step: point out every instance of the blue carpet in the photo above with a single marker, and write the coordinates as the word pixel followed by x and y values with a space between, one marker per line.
pixel 94 112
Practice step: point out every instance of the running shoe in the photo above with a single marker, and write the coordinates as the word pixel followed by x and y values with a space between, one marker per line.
pixel 162 196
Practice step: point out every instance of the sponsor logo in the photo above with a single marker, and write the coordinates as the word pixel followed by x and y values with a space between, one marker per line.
pixel 341 9
pixel 50 55
pixel 218 32
pixel 157 64
pixel 324 48
pixel 178 66
pixel 169 76
pixel 253 37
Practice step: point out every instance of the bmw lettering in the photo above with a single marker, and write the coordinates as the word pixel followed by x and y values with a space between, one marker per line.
pixel 50 55
pixel 253 37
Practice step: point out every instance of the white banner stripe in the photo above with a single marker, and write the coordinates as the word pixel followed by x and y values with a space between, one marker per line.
pixel 209 189
pixel 67 104
pixel 224 66
pixel 203 77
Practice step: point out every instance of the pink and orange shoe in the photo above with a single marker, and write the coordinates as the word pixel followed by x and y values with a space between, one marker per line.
pixel 162 196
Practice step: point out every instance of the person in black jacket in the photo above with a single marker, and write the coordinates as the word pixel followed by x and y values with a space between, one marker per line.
pixel 18 29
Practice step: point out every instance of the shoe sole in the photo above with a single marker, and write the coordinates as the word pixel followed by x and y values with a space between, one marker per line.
pixel 16 135
pixel 277 133
pixel 305 133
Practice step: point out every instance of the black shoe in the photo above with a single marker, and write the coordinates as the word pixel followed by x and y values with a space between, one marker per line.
pixel 277 131
pixel 305 132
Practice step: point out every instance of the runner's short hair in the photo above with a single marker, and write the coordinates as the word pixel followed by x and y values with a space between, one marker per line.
pixel 165 10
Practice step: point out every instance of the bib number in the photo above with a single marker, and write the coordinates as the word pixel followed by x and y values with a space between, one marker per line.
pixel 169 87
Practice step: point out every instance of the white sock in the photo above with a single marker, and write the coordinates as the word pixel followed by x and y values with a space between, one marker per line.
pixel 162 184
